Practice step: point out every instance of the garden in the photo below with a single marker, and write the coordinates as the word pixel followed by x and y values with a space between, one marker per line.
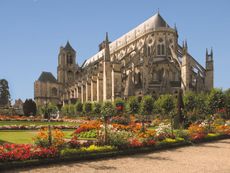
pixel 99 130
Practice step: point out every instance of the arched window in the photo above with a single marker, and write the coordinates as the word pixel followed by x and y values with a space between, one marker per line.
pixel 70 75
pixel 161 49
pixel 54 91
pixel 69 59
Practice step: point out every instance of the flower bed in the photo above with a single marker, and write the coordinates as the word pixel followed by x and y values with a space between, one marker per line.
pixel 20 152
pixel 34 127
pixel 121 139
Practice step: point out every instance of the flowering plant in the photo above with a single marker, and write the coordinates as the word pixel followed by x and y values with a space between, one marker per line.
pixel 163 131
pixel 197 131
pixel 42 138
pixel 15 152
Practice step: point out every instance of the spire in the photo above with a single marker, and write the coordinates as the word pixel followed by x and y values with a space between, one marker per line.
pixel 107 51
pixel 185 47
pixel 158 11
pixel 211 54
pixel 68 46
pixel 206 54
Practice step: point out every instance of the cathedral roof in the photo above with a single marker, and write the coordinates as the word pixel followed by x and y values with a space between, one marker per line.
pixel 152 23
pixel 68 47
pixel 47 77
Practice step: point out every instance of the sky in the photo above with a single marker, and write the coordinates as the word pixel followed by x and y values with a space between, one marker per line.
pixel 32 31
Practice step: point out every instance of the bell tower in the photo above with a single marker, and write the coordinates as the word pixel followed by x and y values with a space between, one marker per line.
pixel 66 65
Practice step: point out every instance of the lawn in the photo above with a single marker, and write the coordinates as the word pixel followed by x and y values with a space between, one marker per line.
pixel 38 123
pixel 24 136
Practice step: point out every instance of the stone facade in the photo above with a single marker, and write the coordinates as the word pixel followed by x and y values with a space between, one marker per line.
pixel 146 60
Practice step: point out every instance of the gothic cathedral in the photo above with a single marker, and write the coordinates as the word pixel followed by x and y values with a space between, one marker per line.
pixel 146 60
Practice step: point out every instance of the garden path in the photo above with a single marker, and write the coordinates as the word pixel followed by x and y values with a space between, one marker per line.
pixel 203 158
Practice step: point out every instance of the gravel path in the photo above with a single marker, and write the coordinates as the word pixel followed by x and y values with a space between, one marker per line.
pixel 204 158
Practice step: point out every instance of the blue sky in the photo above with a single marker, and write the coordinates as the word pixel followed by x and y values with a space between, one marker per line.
pixel 31 32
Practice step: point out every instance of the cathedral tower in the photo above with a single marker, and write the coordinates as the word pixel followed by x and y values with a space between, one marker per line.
pixel 66 65
pixel 209 82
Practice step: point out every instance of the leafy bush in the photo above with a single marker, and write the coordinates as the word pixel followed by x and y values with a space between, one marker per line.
pixel 90 149
pixel 133 105
pixel 87 108
pixel 88 134
pixel 124 120
pixel 107 109
pixel 215 100
pixel 119 104
pixel 165 104
pixel 42 138
pixel 97 108
pixel 79 107
pixel 29 107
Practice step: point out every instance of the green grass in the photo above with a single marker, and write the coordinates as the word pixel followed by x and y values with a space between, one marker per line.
pixel 38 123
pixel 24 136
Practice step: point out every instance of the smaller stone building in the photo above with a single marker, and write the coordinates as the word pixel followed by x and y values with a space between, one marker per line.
pixel 46 89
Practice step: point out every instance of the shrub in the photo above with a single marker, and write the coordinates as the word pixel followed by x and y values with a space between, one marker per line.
pixel 87 108
pixel 146 106
pixel 91 149
pixel 133 105
pixel 119 105
pixel 215 100
pixel 42 138
pixel 68 110
pixel 163 131
pixel 97 108
pixel 165 104
pixel 107 109
pixel 196 132
pixel 124 120
pixel 79 107
pixel 29 107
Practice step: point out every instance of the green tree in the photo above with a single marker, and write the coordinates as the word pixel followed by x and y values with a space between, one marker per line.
pixel 190 101
pixel 227 102
pixel 107 111
pixel 215 100
pixel 133 105
pixel 87 108
pixel 146 108
pixel 79 107
pixel 29 107
pixel 4 93
pixel 165 104
pixel 97 108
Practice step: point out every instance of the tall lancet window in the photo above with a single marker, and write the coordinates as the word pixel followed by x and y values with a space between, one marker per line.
pixel 160 47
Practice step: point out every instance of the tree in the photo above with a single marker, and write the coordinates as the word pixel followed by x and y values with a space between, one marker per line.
pixel 107 111
pixel 79 107
pixel 133 105
pixel 87 108
pixel 146 108
pixel 96 108
pixel 227 103
pixel 165 104
pixel 190 101
pixel 29 107
pixel 4 93
pixel 215 101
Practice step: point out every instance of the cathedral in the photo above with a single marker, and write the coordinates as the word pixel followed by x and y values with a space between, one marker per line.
pixel 146 60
